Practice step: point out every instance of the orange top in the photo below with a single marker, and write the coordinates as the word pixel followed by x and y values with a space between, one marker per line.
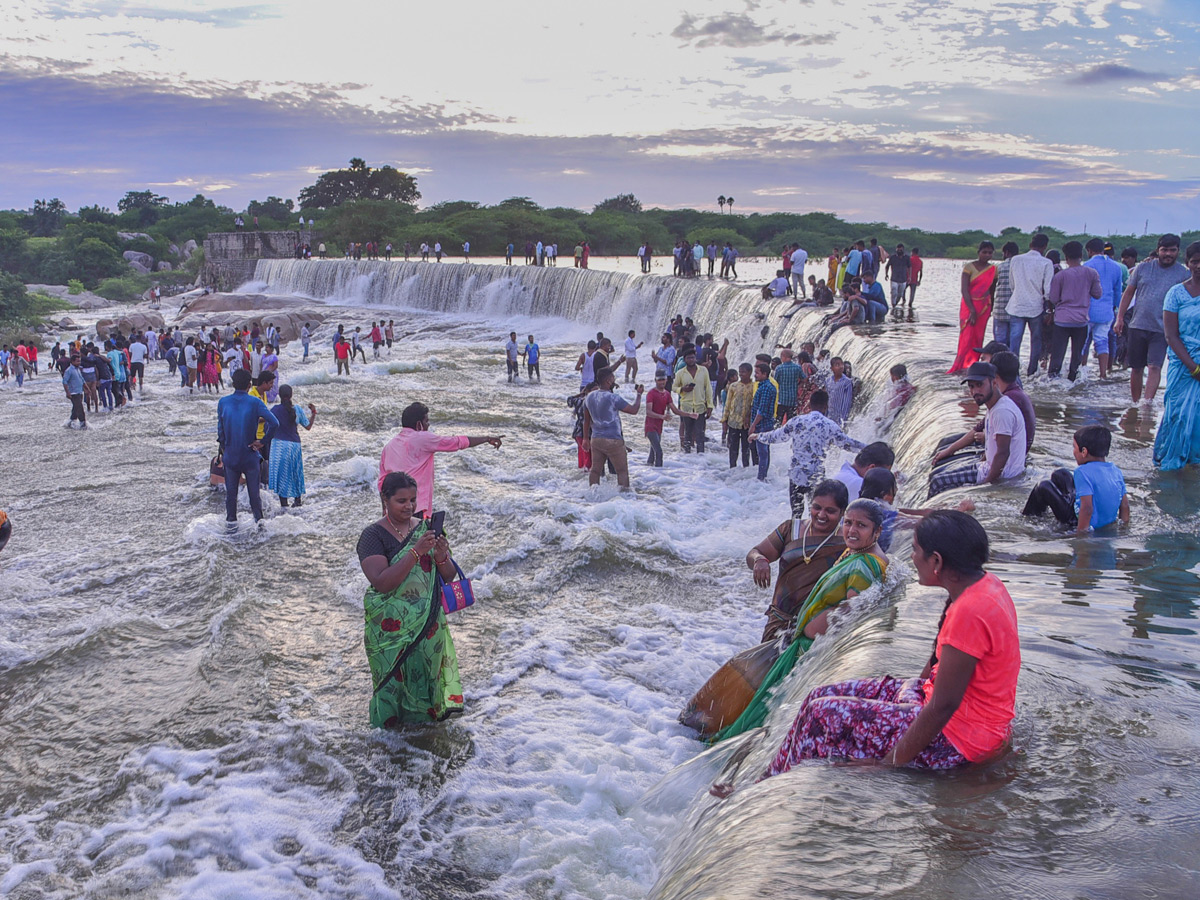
pixel 982 623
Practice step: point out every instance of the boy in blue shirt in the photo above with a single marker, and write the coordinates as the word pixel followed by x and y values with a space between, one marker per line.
pixel 1090 498
pixel 1100 497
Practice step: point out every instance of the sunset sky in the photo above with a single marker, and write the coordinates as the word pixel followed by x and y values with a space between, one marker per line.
pixel 936 114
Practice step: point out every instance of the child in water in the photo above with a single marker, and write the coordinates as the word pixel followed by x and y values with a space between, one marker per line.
pixel 1091 498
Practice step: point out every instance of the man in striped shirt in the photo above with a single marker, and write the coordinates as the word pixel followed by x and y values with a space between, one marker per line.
pixel 762 414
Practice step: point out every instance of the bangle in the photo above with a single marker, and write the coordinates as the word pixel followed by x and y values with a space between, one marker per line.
pixel 416 555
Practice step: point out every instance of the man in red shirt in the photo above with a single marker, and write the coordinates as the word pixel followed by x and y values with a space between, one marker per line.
pixel 916 269
pixel 341 351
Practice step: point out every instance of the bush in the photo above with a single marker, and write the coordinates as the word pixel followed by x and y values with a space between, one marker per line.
pixel 124 288
pixel 74 286
pixel 14 299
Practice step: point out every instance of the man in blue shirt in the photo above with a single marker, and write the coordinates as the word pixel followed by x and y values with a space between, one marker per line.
pixel 854 261
pixel 762 414
pixel 73 384
pixel 1103 310
pixel 872 292
pixel 532 354
pixel 237 433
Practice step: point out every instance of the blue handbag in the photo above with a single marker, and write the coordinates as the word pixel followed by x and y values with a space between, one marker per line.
pixel 458 594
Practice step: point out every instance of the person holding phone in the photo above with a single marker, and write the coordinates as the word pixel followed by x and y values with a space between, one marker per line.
pixel 414 666
pixel 696 397
pixel 602 434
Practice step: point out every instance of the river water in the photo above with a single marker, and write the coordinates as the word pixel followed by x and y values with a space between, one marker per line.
pixel 184 712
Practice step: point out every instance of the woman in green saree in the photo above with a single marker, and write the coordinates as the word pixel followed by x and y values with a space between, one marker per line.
pixel 862 565
pixel 414 669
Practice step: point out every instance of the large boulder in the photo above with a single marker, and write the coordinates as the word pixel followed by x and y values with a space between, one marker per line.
pixel 141 262
pixel 163 266
pixel 136 320
pixel 134 236
pixel 188 249
pixel 82 300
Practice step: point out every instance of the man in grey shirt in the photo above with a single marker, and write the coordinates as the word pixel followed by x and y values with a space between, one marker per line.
pixel 1030 275
pixel 1146 343
pixel 602 435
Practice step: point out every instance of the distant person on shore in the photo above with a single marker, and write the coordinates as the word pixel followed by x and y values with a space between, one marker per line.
pixel 437 250
pixel 603 436
pixel 305 338
pixel 413 449
pixel 508 254
pixel 897 273
pixel 1147 290
pixel 466 247
pixel 238 416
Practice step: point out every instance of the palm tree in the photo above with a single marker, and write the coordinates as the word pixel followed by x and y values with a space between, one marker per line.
pixel 729 203
pixel 721 202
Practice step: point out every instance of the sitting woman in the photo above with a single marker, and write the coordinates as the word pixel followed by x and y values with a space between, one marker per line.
pixel 805 551
pixel 860 566
pixel 961 708
pixel 414 668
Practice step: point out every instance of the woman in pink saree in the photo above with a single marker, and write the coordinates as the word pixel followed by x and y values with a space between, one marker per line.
pixel 978 290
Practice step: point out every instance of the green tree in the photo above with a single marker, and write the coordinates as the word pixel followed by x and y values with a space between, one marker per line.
pixel 47 218
pixel 14 300
pixel 272 208
pixel 622 203
pixel 360 182
pixel 12 250
pixel 97 214
pixel 140 200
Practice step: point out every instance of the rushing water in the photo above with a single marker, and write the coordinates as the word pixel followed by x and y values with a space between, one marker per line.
pixel 184 713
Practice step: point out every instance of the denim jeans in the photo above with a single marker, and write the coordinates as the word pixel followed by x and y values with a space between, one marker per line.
pixel 764 460
pixel 1016 331
pixel 1003 331
pixel 656 456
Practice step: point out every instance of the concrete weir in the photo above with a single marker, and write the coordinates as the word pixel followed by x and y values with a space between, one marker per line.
pixel 230 257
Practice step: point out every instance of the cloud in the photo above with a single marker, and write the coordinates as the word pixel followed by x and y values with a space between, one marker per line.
pixel 1106 73
pixel 739 30
pixel 220 17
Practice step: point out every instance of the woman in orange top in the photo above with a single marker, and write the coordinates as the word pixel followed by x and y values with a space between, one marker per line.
pixel 961 708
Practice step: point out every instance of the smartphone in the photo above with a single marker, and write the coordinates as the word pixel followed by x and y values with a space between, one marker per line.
pixel 437 523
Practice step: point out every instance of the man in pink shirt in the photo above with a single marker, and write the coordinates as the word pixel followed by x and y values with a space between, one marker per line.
pixel 412 451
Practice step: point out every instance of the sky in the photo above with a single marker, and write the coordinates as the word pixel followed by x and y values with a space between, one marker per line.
pixel 944 115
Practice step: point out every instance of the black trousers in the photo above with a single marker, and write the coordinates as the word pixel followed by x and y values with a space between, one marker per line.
pixel 77 413
pixel 1077 335
pixel 738 440
pixel 1057 494
pixel 249 467
pixel 693 433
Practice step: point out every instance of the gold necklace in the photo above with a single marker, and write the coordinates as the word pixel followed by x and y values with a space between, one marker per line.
pixel 804 544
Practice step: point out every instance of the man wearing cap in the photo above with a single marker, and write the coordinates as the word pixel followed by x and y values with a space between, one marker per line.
pixel 990 349
pixel 1004 438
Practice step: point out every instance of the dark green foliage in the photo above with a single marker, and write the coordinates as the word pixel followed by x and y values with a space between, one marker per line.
pixel 14 300
pixel 359 182
pixel 47 218
pixel 125 288
pixel 622 203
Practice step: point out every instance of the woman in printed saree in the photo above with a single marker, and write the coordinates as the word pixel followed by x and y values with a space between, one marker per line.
pixel 414 668
pixel 978 290
pixel 860 566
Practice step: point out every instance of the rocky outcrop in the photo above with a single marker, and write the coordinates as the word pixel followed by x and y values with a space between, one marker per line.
pixel 137 320
pixel 82 300
pixel 218 310
pixel 163 266
pixel 134 236
pixel 188 249
pixel 141 262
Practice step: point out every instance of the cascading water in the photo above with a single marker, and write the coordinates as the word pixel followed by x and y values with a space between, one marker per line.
pixel 184 712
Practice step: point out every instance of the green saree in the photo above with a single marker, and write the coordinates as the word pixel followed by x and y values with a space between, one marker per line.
pixel 409 622
pixel 853 572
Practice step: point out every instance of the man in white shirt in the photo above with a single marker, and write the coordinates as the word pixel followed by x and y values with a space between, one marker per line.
pixel 1030 274
pixel 799 261
pixel 256 360
pixel 631 361
pixel 512 352
pixel 191 359
pixel 305 337
pixel 1004 438
pixel 138 352
pixel 152 343
pixel 466 251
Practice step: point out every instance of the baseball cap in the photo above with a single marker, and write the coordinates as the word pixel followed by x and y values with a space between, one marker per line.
pixel 992 347
pixel 980 371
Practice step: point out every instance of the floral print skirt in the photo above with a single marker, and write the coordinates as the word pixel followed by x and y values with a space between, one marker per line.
pixel 861 719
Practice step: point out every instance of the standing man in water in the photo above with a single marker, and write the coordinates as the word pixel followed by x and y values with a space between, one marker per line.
pixel 73 384
pixel 1030 274
pixel 238 415
pixel 512 352
pixel 1146 342
pixel 695 398
pixel 897 272
pixel 916 271
pixel 603 437
pixel 412 451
